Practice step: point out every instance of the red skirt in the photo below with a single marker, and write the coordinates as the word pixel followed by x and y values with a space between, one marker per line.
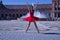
pixel 31 19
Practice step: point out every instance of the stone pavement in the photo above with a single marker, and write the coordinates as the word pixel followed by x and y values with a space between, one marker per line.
pixel 44 26
pixel 15 30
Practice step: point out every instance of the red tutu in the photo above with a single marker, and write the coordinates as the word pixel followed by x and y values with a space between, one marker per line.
pixel 31 18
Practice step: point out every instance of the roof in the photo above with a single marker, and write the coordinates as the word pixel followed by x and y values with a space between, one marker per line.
pixel 25 6
pixel 44 5
pixel 17 6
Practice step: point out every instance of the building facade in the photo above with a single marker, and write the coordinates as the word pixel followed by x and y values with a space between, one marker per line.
pixel 12 11
pixel 16 11
pixel 56 9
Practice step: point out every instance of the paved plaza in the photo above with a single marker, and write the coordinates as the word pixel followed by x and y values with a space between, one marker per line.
pixel 15 30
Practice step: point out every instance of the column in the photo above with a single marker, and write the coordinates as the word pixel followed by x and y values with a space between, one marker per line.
pixel 53 11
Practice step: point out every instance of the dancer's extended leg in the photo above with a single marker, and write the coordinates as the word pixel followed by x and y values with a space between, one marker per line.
pixel 28 26
pixel 36 27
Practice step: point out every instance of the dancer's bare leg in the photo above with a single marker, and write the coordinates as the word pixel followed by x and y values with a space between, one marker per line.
pixel 36 26
pixel 28 26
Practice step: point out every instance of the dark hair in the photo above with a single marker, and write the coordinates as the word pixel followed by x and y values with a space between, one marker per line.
pixel 33 10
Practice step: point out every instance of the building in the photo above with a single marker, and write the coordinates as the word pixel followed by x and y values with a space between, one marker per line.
pixel 56 9
pixel 12 11
pixel 16 11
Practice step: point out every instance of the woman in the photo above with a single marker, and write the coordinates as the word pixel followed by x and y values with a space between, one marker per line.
pixel 32 18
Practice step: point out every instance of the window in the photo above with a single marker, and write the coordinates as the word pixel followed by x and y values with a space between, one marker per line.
pixel 2 15
pixel 58 14
pixel 55 8
pixel 6 14
pixel 13 15
pixel 10 15
pixel 17 15
pixel 58 8
pixel 55 14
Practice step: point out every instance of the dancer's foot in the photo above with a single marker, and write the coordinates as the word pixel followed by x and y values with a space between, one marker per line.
pixel 28 26
pixel 36 27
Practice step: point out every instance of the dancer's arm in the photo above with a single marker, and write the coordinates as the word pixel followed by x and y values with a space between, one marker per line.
pixel 28 7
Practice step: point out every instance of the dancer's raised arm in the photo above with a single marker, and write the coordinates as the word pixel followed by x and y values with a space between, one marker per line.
pixel 28 6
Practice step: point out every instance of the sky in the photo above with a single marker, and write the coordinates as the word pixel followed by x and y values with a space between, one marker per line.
pixel 21 2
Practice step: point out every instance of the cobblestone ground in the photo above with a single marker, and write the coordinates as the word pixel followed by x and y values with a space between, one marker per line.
pixel 15 30
pixel 22 25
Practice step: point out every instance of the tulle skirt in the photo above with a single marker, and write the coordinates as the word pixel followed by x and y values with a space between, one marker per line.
pixel 31 19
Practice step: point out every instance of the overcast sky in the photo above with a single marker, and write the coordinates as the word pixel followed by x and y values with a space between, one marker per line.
pixel 19 2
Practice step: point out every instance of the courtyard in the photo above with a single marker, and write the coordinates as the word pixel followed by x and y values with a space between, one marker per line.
pixel 15 30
